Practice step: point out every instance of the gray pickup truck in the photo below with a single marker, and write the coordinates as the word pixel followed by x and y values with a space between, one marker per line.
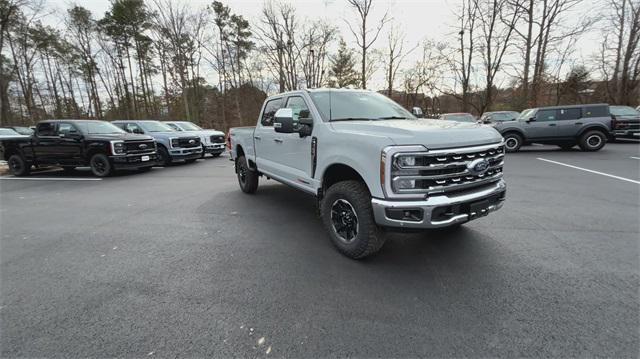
pixel 371 164
pixel 588 126
pixel 172 145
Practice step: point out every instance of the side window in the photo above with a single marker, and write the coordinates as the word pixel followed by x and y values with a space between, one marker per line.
pixel 66 128
pixel 596 111
pixel 269 111
pixel 133 128
pixel 46 129
pixel 569 114
pixel 297 104
pixel 547 115
pixel 174 127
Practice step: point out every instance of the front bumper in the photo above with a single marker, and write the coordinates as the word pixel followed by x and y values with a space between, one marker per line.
pixel 214 148
pixel 185 153
pixel 633 133
pixel 134 161
pixel 440 210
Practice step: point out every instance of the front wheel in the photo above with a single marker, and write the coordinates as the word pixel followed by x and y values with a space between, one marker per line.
pixel 592 141
pixel 247 178
pixel 100 165
pixel 163 157
pixel 347 216
pixel 18 166
pixel 512 142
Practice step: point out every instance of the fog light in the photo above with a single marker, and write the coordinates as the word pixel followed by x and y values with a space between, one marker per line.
pixel 405 184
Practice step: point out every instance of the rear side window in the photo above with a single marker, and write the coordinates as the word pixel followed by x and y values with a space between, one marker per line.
pixel 269 111
pixel 596 111
pixel 66 128
pixel 46 129
pixel 547 115
pixel 569 114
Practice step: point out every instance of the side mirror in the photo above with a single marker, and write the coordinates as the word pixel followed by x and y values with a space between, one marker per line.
pixel 531 119
pixel 417 111
pixel 283 120
pixel 138 131
pixel 305 124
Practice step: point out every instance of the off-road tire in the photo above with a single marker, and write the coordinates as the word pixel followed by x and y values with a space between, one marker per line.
pixel 369 237
pixel 100 165
pixel 163 157
pixel 512 142
pixel 592 141
pixel 18 166
pixel 247 178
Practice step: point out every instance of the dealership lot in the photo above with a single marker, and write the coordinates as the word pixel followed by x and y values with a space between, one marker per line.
pixel 178 262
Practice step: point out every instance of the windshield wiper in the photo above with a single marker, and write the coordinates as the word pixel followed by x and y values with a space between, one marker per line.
pixel 351 119
pixel 392 118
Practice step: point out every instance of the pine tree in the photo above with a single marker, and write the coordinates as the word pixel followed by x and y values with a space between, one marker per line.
pixel 342 69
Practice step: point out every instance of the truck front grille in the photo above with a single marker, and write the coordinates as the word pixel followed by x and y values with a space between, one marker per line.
pixel 135 147
pixel 449 170
pixel 188 142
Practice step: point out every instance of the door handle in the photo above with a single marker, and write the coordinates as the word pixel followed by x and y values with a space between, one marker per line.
pixel 552 124
pixel 257 137
pixel 578 123
pixel 278 140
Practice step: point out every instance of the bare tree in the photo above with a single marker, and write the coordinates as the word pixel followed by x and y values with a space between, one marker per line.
pixel 315 41
pixel 9 9
pixel 394 55
pixel 463 68
pixel 620 56
pixel 365 35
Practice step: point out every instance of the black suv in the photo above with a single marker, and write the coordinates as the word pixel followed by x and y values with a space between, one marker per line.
pixel 74 143
pixel 588 126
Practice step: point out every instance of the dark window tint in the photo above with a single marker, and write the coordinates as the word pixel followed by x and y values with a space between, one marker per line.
pixel 46 129
pixel 66 128
pixel 569 113
pixel 269 111
pixel 547 115
pixel 596 111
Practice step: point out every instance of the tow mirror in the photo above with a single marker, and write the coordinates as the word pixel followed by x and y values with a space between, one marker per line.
pixel 283 120
pixel 417 111
pixel 305 123
pixel 531 119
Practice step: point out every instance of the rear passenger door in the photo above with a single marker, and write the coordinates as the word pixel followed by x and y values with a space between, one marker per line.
pixel 268 147
pixel 570 122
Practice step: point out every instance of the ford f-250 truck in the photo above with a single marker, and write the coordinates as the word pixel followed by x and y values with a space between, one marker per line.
pixel 75 143
pixel 371 164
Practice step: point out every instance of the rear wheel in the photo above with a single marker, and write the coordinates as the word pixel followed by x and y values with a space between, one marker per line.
pixel 347 216
pixel 18 166
pixel 100 165
pixel 512 142
pixel 247 178
pixel 592 141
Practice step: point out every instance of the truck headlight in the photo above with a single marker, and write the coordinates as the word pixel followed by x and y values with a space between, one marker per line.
pixel 405 161
pixel 118 148
pixel 175 142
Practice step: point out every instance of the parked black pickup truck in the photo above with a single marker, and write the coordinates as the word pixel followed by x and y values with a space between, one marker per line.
pixel 74 143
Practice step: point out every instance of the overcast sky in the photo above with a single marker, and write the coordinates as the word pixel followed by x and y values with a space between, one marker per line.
pixel 419 19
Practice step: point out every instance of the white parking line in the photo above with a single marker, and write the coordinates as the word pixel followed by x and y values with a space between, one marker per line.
pixel 592 171
pixel 49 179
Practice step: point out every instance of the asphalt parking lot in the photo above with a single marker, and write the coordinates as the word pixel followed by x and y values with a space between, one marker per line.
pixel 177 262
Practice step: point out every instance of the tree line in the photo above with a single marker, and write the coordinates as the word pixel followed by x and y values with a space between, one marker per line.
pixel 164 59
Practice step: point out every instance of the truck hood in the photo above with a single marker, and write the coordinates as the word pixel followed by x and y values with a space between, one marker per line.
pixel 118 136
pixel 433 134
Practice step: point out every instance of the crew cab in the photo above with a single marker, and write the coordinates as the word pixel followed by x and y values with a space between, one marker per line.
pixel 371 164
pixel 587 126
pixel 172 146
pixel 212 140
pixel 75 143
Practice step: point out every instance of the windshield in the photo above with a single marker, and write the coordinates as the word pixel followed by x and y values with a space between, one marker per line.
pixel 357 105
pixel 459 117
pixel 154 126
pixel 623 111
pixel 8 132
pixel 97 128
pixel 526 114
pixel 504 116
pixel 188 126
